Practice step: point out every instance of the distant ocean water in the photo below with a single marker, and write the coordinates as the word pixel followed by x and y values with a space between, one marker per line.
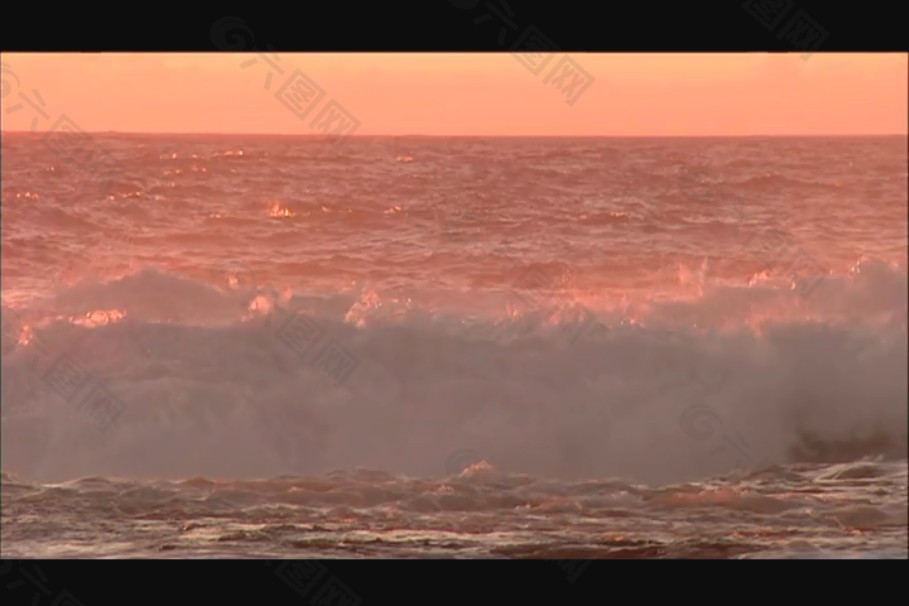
pixel 454 347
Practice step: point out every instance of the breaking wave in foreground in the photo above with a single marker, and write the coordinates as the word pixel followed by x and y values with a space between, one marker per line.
pixel 454 347
pixel 159 376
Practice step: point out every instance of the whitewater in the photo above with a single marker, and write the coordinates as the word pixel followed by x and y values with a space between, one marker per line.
pixel 454 347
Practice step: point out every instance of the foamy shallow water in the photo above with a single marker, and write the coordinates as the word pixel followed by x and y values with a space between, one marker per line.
pixel 797 511
pixel 660 348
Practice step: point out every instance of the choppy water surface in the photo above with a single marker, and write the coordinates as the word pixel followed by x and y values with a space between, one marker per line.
pixel 508 347
pixel 802 510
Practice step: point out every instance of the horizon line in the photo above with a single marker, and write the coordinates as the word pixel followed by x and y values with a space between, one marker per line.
pixel 468 136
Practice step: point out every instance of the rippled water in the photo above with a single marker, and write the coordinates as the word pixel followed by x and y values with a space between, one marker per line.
pixel 803 510
pixel 549 347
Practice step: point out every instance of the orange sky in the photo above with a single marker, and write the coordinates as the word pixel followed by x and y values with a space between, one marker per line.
pixel 466 94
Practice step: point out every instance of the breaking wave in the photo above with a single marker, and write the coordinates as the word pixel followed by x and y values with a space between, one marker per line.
pixel 161 375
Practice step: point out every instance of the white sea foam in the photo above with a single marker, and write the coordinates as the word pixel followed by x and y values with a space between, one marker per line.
pixel 197 380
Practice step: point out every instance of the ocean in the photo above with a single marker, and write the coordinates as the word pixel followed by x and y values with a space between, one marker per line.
pixel 265 346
